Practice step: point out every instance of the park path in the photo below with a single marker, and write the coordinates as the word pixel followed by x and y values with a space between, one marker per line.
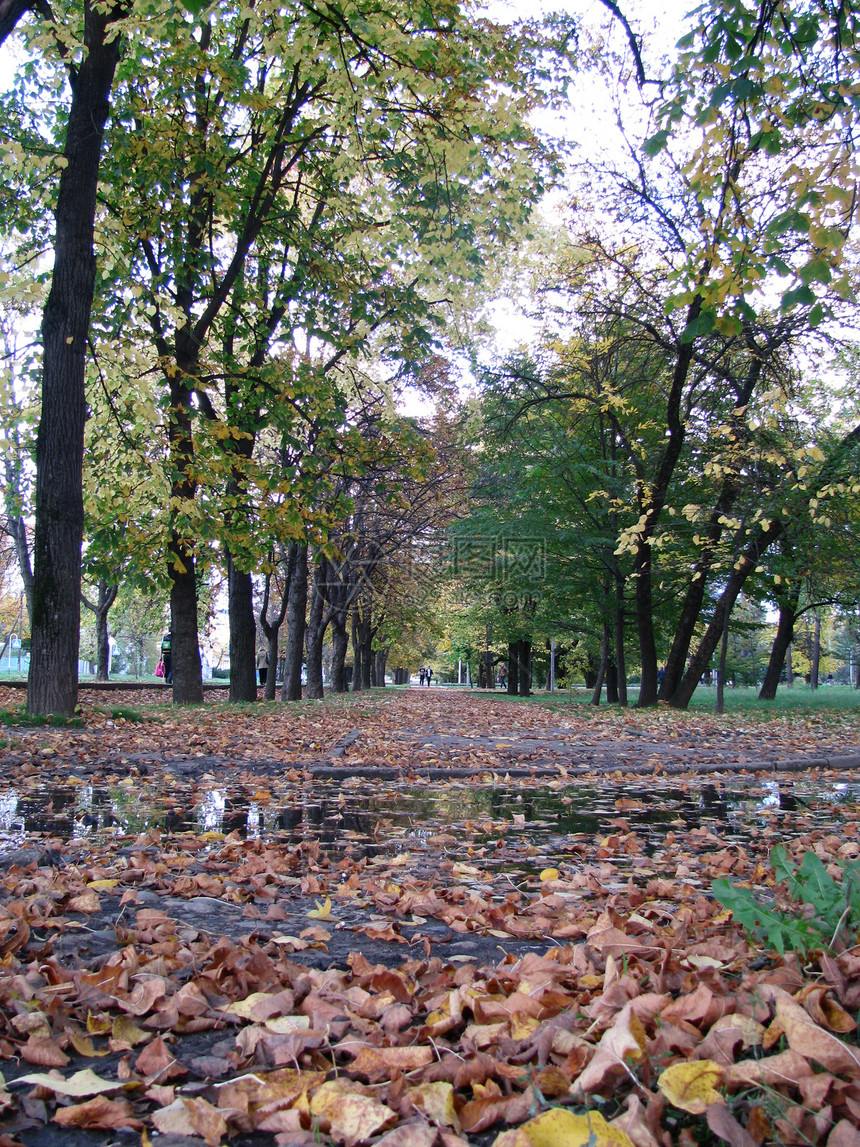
pixel 437 731
pixel 432 732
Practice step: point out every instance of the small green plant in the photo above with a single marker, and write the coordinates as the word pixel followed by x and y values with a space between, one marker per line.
pixel 21 717
pixel 127 714
pixel 824 914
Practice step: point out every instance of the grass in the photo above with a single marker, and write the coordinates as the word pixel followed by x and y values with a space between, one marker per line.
pixel 800 700
pixel 20 717
pixel 125 713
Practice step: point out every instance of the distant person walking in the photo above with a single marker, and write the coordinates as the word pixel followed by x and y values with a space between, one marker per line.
pixel 263 665
pixel 166 658
pixel 429 676
pixel 422 675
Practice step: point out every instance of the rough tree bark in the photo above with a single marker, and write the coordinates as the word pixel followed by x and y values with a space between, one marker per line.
pixel 781 643
pixel 53 680
pixel 815 660
pixel 243 633
pixel 318 621
pixel 291 689
pixel 271 627
pixel 339 647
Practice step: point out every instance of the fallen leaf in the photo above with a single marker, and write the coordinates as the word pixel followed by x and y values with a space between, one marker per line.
pixel 726 1127
pixel 191 1117
pixel 559 1127
pixel 349 1117
pixel 100 1112
pixel 691 1086
pixel 82 1083
pixel 322 911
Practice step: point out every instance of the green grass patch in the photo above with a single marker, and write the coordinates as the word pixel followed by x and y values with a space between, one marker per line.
pixel 801 700
pixel 21 717
pixel 126 713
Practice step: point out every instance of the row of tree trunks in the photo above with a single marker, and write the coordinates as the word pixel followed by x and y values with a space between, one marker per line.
pixel 520 668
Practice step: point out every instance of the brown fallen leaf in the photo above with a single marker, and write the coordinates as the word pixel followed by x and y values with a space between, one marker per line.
pixel 621 1045
pixel 726 1127
pixel 44 1052
pixel 814 1042
pixel 191 1117
pixel 99 1112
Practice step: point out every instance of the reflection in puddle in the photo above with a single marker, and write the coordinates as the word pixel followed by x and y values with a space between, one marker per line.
pixel 366 818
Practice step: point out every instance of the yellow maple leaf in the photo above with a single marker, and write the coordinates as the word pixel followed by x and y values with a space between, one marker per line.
pixel 549 874
pixel 322 911
pixel 559 1127
pixel 692 1086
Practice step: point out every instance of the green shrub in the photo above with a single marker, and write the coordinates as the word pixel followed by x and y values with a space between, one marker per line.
pixel 823 913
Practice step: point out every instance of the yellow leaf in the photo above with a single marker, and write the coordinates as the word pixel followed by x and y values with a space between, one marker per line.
pixel 436 1101
pixel 549 874
pixel 125 1031
pixel 244 1009
pixel 322 911
pixel 692 1085
pixel 82 1083
pixel 102 885
pixel 559 1127
pixel 84 1045
pixel 349 1116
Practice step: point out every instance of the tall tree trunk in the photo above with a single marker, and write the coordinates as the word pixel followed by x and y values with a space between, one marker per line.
pixel 101 608
pixel 789 669
pixel 781 644
pixel 648 683
pixel 181 563
pixel 339 647
pixel 271 627
pixel 357 675
pixel 291 690
pixel 601 672
pixel 243 633
pixel 318 621
pixel 380 660
pixel 52 685
pixel 721 672
pixel 366 639
pixel 815 660
pixel 513 668
pixel 17 528
pixel 525 663
pixel 611 681
pixel 655 499
pixel 620 660
pixel 184 646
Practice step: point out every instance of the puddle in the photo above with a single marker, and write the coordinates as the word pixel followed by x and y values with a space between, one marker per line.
pixel 363 818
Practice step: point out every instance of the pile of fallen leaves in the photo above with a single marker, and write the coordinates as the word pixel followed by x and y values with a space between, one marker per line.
pixel 641 1012
pixel 625 1005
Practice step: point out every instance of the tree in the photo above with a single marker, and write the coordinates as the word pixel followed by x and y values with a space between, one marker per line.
pixel 325 210
pixel 65 326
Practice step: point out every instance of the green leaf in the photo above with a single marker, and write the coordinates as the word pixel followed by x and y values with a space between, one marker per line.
pixel 799 296
pixel 702 325
pixel 656 143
